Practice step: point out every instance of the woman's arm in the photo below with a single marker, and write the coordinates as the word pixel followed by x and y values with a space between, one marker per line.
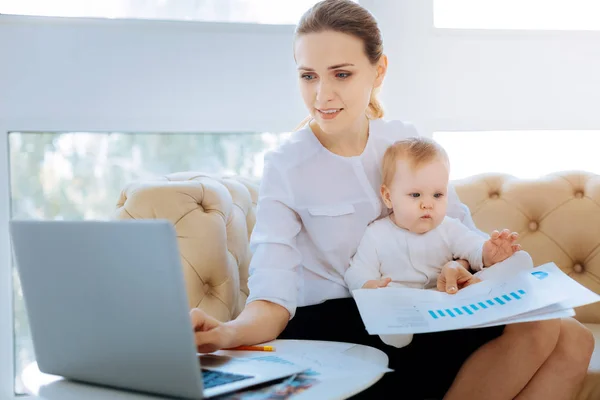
pixel 272 282
pixel 260 321
pixel 275 255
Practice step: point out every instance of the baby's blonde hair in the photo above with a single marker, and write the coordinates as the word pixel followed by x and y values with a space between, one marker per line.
pixel 416 150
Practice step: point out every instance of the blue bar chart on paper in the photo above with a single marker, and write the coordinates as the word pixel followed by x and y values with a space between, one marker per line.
pixel 477 307
pixel 522 296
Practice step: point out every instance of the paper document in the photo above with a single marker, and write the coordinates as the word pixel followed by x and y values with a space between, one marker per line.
pixel 537 315
pixel 534 294
pixel 324 359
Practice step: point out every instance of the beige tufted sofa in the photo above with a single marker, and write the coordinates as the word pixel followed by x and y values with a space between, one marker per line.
pixel 557 216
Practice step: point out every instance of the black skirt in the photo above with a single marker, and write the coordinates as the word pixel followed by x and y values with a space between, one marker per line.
pixel 424 369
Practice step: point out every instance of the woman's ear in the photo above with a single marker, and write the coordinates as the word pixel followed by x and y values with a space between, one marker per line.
pixel 382 66
pixel 386 196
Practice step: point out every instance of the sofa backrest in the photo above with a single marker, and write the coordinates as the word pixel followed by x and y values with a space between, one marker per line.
pixel 557 218
pixel 213 218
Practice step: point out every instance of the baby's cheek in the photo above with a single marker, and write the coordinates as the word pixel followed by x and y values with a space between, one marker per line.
pixel 411 217
pixel 443 208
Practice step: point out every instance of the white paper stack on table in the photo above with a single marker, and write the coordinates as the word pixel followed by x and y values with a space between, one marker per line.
pixel 544 292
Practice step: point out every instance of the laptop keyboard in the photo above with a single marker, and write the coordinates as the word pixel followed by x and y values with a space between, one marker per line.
pixel 214 378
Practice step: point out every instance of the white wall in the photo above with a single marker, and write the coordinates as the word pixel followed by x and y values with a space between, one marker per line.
pixel 83 74
pixel 190 76
pixel 487 80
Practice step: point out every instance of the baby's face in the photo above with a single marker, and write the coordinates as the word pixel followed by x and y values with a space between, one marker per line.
pixel 418 197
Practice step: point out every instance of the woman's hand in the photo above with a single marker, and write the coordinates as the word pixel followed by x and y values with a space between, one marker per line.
pixel 210 333
pixel 374 284
pixel 455 276
pixel 464 263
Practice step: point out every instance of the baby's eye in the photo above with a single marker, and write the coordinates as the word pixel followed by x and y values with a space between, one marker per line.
pixel 415 195
pixel 438 195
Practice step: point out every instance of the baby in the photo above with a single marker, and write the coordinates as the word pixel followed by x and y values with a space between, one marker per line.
pixel 410 246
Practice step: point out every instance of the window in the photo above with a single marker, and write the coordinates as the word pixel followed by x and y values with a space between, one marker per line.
pixel 253 11
pixel 517 14
pixel 75 176
pixel 524 154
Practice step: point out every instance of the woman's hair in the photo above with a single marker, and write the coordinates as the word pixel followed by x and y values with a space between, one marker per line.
pixel 416 150
pixel 347 16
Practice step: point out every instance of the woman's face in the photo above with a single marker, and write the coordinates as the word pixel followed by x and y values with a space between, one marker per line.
pixel 336 79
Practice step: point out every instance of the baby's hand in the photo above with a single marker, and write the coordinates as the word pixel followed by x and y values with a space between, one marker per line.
pixel 374 284
pixel 499 247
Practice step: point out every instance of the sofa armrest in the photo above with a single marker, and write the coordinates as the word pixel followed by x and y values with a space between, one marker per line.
pixel 213 219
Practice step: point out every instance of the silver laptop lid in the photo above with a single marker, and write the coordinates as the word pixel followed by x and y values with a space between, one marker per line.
pixel 106 303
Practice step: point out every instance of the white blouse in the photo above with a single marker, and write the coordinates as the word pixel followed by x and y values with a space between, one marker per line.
pixel 313 209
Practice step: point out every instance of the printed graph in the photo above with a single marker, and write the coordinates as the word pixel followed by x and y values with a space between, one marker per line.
pixel 278 360
pixel 273 359
pixel 471 309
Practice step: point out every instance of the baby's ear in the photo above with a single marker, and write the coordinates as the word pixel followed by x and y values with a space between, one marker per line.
pixel 385 195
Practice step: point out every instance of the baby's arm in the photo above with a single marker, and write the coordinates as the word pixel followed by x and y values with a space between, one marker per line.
pixel 479 252
pixel 364 266
pixel 464 243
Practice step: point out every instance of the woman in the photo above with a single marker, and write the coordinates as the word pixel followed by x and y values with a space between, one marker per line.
pixel 318 194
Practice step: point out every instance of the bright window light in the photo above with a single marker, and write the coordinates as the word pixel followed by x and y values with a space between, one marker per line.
pixel 523 154
pixel 517 14
pixel 249 11
pixel 80 175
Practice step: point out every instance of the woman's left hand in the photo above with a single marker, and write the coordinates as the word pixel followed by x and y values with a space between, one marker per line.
pixel 455 276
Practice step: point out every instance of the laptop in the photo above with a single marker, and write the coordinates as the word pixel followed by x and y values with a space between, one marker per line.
pixel 107 305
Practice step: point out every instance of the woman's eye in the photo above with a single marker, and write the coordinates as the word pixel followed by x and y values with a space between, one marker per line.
pixel 308 77
pixel 343 75
pixel 438 195
pixel 415 195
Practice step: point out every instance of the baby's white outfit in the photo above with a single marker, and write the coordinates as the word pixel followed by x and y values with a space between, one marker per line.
pixel 411 259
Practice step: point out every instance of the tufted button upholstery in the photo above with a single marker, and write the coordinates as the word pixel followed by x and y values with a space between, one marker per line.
pixel 213 218
pixel 555 221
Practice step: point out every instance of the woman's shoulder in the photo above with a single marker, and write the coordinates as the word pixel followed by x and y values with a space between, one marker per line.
pixel 292 149
pixel 392 130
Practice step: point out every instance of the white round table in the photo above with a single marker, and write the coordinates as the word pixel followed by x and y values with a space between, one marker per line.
pixel 53 387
